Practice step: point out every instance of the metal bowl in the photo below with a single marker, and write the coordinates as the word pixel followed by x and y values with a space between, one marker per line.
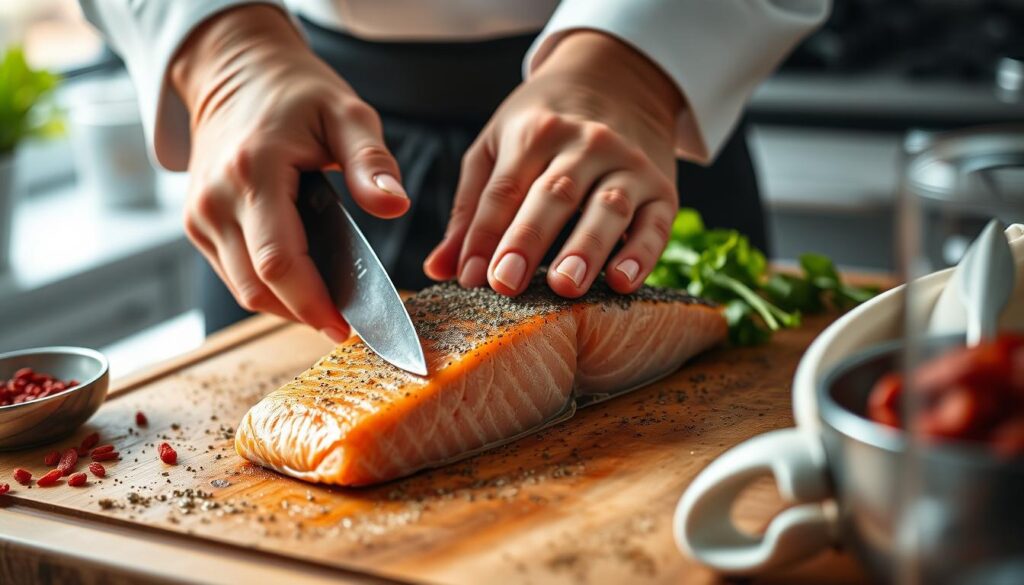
pixel 964 525
pixel 49 419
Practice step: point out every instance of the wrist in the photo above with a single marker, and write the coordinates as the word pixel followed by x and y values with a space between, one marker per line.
pixel 247 30
pixel 617 68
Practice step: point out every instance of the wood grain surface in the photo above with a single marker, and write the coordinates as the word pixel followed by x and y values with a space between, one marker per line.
pixel 588 501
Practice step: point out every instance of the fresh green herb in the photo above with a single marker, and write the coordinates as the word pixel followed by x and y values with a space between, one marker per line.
pixel 24 112
pixel 722 266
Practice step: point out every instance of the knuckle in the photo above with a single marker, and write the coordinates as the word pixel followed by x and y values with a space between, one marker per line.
pixel 505 191
pixel 483 237
pixel 373 155
pixel 661 226
pixel 526 234
pixel 616 202
pixel 598 135
pixel 651 247
pixel 561 189
pixel 357 111
pixel 272 263
pixel 589 240
pixel 543 128
pixel 205 205
pixel 247 158
pixel 252 298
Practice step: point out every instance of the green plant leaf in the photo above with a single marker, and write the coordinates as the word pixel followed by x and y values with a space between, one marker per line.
pixel 23 91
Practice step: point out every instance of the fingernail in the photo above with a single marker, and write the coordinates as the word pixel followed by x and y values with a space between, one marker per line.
pixel 630 268
pixel 474 272
pixel 574 268
pixel 334 334
pixel 510 270
pixel 389 185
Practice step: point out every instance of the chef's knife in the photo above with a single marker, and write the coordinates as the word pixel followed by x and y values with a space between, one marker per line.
pixel 355 278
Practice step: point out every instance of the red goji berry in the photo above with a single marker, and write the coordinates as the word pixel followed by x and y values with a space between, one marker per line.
pixel 140 419
pixel 51 458
pixel 68 461
pixel 167 454
pixel 97 469
pixel 105 456
pixel 90 441
pixel 51 478
pixel 22 476
pixel 4 488
pixel 102 449
pixel 77 479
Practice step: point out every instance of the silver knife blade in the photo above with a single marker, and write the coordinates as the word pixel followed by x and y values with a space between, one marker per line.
pixel 355 278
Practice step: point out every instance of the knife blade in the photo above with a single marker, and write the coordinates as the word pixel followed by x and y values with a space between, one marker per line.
pixel 356 280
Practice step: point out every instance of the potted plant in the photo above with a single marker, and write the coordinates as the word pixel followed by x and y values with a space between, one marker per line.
pixel 24 114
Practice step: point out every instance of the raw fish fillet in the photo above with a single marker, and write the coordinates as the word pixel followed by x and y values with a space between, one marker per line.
pixel 498 366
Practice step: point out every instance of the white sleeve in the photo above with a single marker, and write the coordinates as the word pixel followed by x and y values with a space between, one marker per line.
pixel 717 51
pixel 146 34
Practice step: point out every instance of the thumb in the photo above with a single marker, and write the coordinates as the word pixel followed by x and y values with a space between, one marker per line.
pixel 355 140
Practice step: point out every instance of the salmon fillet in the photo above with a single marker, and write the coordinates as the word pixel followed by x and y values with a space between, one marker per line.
pixel 498 366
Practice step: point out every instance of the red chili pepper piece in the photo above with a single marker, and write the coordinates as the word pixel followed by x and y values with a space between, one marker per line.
pixel 51 478
pixel 97 469
pixel 103 449
pixel 68 461
pixel 22 476
pixel 51 458
pixel 140 419
pixel 77 479
pixel 4 488
pixel 105 456
pixel 167 454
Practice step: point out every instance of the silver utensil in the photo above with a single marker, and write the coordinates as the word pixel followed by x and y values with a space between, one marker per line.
pixel 355 278
pixel 985 279
pixel 51 418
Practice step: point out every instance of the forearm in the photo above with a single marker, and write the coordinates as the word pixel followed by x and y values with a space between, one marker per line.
pixel 210 54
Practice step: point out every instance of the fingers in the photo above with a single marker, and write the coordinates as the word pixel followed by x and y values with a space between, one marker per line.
pixel 443 261
pixel 551 202
pixel 645 242
pixel 355 139
pixel 606 216
pixel 276 243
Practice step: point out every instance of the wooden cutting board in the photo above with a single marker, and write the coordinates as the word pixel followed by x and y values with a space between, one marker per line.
pixel 588 501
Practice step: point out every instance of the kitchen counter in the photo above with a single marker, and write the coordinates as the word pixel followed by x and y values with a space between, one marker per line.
pixel 587 501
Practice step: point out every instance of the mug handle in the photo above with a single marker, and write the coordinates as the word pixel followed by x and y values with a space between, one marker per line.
pixel 796 459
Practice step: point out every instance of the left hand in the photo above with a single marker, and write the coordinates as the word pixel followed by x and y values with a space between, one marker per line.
pixel 592 128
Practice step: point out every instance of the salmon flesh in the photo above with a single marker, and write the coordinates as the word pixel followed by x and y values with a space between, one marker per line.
pixel 498 366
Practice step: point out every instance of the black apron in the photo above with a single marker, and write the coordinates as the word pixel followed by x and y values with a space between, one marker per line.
pixel 434 98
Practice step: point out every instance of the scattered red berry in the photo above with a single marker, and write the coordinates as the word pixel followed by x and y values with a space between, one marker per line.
pixel 97 469
pixel 4 488
pixel 51 458
pixel 68 461
pixel 51 478
pixel 22 476
pixel 90 441
pixel 102 449
pixel 167 454
pixel 140 419
pixel 77 479
pixel 105 456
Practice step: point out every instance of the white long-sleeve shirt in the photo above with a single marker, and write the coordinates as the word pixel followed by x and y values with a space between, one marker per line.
pixel 716 51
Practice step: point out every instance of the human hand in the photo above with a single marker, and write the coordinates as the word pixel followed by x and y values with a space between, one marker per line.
pixel 263 108
pixel 592 128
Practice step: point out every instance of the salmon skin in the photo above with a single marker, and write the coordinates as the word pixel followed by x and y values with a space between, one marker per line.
pixel 498 366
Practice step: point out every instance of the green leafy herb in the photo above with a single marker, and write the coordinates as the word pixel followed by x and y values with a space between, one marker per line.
pixel 24 112
pixel 722 266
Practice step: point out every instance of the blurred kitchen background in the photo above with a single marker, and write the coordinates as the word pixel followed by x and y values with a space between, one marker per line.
pixel 97 255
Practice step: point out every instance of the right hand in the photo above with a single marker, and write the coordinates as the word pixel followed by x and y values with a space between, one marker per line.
pixel 264 108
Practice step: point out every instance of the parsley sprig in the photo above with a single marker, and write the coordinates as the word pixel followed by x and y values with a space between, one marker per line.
pixel 721 265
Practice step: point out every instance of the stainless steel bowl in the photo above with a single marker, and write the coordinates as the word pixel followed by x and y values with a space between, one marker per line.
pixel 48 419
pixel 965 523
